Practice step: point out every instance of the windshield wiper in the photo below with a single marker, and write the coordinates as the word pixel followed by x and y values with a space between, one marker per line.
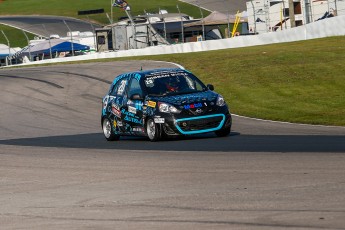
pixel 155 95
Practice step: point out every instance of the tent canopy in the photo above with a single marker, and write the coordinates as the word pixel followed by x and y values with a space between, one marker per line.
pixel 53 45
pixel 5 51
pixel 216 18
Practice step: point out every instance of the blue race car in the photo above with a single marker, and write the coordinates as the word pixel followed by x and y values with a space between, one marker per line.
pixel 160 103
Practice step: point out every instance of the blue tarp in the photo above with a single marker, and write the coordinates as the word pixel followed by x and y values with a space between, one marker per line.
pixel 57 45
pixel 65 47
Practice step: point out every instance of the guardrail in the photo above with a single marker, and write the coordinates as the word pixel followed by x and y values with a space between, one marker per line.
pixel 324 28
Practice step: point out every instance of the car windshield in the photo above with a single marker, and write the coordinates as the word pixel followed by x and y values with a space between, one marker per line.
pixel 172 83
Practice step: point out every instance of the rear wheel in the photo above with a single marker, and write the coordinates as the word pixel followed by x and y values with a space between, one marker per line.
pixel 223 132
pixel 152 130
pixel 108 130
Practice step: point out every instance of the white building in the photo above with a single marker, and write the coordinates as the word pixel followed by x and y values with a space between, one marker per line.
pixel 272 15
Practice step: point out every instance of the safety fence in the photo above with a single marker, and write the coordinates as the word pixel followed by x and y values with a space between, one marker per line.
pixel 270 16
pixel 319 29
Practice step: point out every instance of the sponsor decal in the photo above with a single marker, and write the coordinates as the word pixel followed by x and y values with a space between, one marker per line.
pixel 131 117
pixel 193 106
pixel 162 74
pixel 115 106
pixel 105 102
pixel 132 109
pixel 138 129
pixel 159 120
pixel 115 110
pixel 199 110
pixel 139 105
pixel 119 123
pixel 114 122
pixel 151 104
pixel 149 81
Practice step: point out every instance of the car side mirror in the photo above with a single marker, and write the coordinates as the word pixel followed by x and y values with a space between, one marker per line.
pixel 136 97
pixel 210 87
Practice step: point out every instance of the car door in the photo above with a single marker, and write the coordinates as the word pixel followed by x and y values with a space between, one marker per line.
pixel 117 100
pixel 133 108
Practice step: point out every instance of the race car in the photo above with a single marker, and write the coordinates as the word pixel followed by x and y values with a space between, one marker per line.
pixel 162 103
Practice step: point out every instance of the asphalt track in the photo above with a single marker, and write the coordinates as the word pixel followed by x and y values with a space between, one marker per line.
pixel 48 25
pixel 57 170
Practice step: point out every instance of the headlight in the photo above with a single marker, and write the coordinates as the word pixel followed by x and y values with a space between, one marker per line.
pixel 166 108
pixel 220 101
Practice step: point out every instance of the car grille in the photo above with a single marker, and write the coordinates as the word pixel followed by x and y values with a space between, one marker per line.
pixel 200 124
pixel 198 112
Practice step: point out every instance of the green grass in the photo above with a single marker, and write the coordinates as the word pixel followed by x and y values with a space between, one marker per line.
pixel 71 7
pixel 16 37
pixel 301 82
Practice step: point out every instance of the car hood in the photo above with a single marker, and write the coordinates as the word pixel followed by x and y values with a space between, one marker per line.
pixel 181 100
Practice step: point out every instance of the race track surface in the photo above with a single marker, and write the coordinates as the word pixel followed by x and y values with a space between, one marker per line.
pixel 48 25
pixel 58 171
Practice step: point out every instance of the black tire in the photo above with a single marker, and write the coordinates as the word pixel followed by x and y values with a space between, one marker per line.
pixel 153 130
pixel 108 131
pixel 223 132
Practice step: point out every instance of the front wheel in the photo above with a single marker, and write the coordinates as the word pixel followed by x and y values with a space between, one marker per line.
pixel 223 132
pixel 152 130
pixel 108 130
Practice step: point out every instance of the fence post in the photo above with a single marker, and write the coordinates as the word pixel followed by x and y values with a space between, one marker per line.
pixel 228 14
pixel 71 37
pixel 50 45
pixel 133 28
pixel 27 39
pixel 94 33
pixel 149 39
pixel 254 14
pixel 164 26
pixel 292 13
pixel 111 11
pixel 9 48
pixel 181 23
pixel 202 21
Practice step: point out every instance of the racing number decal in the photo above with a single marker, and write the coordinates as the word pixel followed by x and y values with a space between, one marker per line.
pixel 122 87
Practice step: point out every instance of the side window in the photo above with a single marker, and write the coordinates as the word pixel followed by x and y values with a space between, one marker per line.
pixel 113 90
pixel 121 87
pixel 193 84
pixel 134 88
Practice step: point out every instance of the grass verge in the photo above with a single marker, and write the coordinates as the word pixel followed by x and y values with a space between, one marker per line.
pixel 16 37
pixel 70 8
pixel 301 82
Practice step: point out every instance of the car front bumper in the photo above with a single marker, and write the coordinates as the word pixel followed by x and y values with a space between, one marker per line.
pixel 179 125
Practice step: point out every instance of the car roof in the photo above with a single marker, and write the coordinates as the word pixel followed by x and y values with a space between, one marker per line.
pixel 144 73
pixel 150 71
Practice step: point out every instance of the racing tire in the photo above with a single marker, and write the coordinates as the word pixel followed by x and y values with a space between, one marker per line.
pixel 152 130
pixel 223 132
pixel 108 130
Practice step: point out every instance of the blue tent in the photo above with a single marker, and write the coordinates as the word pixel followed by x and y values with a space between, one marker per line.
pixel 53 46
